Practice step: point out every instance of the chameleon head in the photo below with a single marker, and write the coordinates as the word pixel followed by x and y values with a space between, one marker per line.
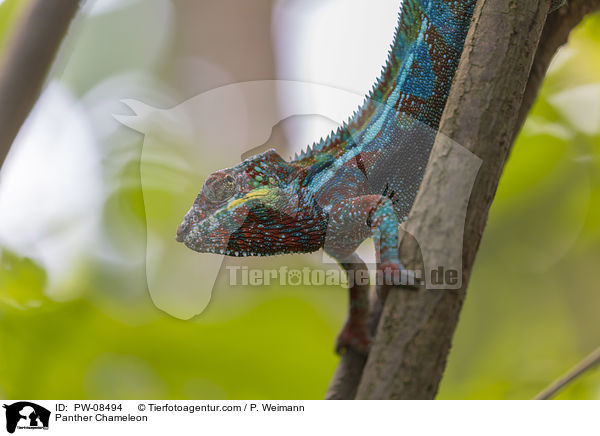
pixel 251 210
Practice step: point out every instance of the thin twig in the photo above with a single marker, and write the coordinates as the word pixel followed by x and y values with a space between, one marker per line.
pixel 29 57
pixel 589 362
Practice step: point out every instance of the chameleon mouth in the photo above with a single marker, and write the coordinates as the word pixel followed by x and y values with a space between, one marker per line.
pixel 197 238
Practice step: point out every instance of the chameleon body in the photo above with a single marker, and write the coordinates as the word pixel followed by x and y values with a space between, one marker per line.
pixel 359 182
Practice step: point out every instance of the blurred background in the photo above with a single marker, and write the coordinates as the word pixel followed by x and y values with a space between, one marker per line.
pixel 148 97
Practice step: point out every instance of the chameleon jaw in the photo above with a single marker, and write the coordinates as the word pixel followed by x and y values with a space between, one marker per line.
pixel 203 237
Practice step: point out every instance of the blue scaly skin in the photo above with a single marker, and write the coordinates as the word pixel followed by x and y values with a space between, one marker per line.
pixel 360 182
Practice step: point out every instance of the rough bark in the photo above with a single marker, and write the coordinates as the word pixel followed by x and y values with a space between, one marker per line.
pixel 507 52
pixel 27 62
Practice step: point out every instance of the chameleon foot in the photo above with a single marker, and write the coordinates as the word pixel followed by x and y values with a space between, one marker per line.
pixel 355 337
pixel 393 273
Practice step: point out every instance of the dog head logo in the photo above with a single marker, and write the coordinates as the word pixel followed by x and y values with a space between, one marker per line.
pixel 26 415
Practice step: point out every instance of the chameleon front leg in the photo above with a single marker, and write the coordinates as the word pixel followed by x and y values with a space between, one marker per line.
pixel 350 222
pixel 353 220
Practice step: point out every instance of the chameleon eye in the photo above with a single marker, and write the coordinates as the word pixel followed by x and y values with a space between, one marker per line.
pixel 219 187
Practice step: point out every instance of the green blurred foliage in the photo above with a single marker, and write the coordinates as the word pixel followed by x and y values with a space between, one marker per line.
pixel 531 311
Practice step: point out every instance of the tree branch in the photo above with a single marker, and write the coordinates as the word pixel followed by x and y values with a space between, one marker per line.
pixel 589 362
pixel 506 57
pixel 416 329
pixel 27 62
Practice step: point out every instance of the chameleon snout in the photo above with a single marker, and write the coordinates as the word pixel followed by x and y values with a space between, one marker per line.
pixel 182 230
